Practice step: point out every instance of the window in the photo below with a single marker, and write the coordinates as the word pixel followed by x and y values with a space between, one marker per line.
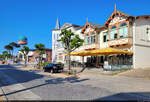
pixel 57 36
pixel 54 36
pixel 115 36
pixel 92 37
pixel 123 30
pixel 148 33
pixel 113 31
pixel 105 36
pixel 87 38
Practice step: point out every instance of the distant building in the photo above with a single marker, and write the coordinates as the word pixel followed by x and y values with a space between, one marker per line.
pixel 32 56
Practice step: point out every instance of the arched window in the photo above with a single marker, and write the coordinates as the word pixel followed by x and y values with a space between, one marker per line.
pixel 113 33
pixel 123 30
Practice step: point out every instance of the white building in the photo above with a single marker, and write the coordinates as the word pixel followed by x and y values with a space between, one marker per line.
pixel 58 52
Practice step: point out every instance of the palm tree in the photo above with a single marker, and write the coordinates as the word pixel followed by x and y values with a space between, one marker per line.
pixel 14 45
pixel 9 48
pixel 40 49
pixel 25 51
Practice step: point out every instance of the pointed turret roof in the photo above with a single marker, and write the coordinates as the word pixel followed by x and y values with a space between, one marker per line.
pixel 57 24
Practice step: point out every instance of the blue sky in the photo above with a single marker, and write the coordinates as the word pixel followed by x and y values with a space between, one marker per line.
pixel 36 18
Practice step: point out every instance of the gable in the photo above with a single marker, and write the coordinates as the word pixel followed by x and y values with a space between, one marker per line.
pixel 91 27
pixel 86 28
pixel 116 16
pixel 117 19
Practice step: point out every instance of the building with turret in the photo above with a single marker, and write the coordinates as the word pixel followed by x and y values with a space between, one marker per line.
pixel 58 52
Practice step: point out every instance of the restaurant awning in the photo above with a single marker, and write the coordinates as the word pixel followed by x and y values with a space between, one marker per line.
pixel 102 51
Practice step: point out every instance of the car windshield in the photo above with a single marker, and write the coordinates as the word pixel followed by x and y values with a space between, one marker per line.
pixel 50 64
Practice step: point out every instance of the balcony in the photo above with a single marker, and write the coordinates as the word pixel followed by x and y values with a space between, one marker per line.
pixel 121 41
pixel 91 46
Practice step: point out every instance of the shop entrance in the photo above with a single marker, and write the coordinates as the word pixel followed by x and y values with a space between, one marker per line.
pixel 95 61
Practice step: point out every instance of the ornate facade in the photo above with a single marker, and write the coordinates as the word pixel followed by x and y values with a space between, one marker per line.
pixel 120 31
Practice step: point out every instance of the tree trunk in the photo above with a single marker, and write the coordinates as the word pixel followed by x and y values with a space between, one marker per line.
pixel 39 62
pixel 69 63
pixel 25 62
pixel 13 56
pixel 9 54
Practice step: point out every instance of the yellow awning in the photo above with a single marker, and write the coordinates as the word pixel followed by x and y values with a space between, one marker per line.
pixel 108 51
pixel 102 51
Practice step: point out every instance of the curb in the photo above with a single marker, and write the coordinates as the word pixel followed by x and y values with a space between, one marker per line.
pixel 141 96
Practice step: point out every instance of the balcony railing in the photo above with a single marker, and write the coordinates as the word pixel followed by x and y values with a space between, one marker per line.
pixel 121 41
pixel 91 46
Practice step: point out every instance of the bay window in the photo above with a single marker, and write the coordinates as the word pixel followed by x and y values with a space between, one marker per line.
pixel 123 30
pixel 87 38
pixel 92 37
pixel 113 32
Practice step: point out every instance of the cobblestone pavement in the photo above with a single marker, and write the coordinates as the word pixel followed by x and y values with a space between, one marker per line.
pixel 27 85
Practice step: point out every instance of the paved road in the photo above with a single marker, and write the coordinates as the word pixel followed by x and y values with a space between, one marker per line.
pixel 28 85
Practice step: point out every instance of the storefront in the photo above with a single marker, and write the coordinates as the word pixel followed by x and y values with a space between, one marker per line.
pixel 107 58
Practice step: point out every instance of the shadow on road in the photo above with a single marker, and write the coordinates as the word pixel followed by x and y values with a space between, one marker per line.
pixel 63 80
pixel 26 76
pixel 134 96
pixel 19 76
pixel 53 81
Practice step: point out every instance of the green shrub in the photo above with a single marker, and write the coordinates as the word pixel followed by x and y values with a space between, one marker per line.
pixel 45 63
pixel 61 63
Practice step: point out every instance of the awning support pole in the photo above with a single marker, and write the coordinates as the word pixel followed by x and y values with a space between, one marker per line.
pixel 83 61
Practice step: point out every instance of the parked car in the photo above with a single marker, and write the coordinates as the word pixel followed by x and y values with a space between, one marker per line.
pixel 52 67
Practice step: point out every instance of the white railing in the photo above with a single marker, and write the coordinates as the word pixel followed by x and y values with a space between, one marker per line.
pixel 118 42
pixel 91 46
